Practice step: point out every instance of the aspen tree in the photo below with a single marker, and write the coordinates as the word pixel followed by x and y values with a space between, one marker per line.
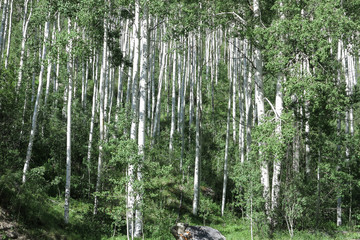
pixel 9 34
pixel 68 126
pixel 48 72
pixel 173 101
pixel 134 112
pixel 119 95
pixel 233 76
pixel 259 98
pixel 102 110
pixel 197 170
pixel 37 105
pixel 158 99
pixel 223 199
pixel 131 50
pixel 3 26
pixel 144 74
pixel 338 200
pixel 95 94
pixel 182 109
pixel 278 131
pixel 25 24
pixel 247 96
pixel 241 104
pixel 192 78
pixel 57 72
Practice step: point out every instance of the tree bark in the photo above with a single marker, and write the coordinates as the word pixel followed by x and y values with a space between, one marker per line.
pixel 26 20
pixel 95 93
pixel 37 105
pixel 2 26
pixel 173 101
pixel 101 112
pixel 259 98
pixel 197 169
pixel 68 128
pixel 158 99
pixel 134 112
pixel 9 35
pixel 144 74
pixel 223 199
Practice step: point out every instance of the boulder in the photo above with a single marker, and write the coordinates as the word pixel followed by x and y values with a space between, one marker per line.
pixel 182 231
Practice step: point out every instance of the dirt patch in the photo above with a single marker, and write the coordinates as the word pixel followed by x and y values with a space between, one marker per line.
pixel 9 229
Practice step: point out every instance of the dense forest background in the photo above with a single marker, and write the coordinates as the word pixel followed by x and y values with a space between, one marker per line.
pixel 120 118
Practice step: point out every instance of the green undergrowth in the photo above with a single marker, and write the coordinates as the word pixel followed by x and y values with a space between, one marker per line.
pixel 41 217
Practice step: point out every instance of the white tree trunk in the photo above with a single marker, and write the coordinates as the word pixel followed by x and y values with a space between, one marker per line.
pixel 57 72
pixel 173 101
pixel 68 128
pixel 278 131
pixel 48 73
pixel 131 56
pixel 277 161
pixel 248 96
pixel 2 26
pixel 226 150
pixel 233 76
pixel 9 35
pixel 102 112
pixel 26 20
pixel 197 170
pixel 144 73
pixel 192 79
pixel 134 110
pixel 119 97
pixel 37 105
pixel 182 110
pixel 95 62
pixel 158 99
pixel 259 98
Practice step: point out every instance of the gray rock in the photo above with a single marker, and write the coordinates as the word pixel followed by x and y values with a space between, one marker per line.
pixel 182 231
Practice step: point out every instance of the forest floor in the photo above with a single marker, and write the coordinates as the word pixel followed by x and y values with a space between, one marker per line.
pixel 49 225
pixel 10 229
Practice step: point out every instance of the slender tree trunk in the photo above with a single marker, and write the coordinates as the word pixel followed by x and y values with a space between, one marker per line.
pixel 68 128
pixel 26 20
pixel 259 98
pixel 233 76
pixel 129 82
pixel 48 73
pixel 37 105
pixel 9 35
pixel 57 73
pixel 277 161
pixel 278 131
pixel 173 101
pixel 197 169
pixel 192 79
pixel 241 110
pixel 158 99
pixel 248 97
pixel 95 62
pixel 2 26
pixel 144 74
pixel 101 112
pixel 226 150
pixel 119 97
pixel 341 58
pixel 182 111
pixel 134 110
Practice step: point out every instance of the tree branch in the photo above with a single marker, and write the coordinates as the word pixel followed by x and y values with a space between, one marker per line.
pixel 234 14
